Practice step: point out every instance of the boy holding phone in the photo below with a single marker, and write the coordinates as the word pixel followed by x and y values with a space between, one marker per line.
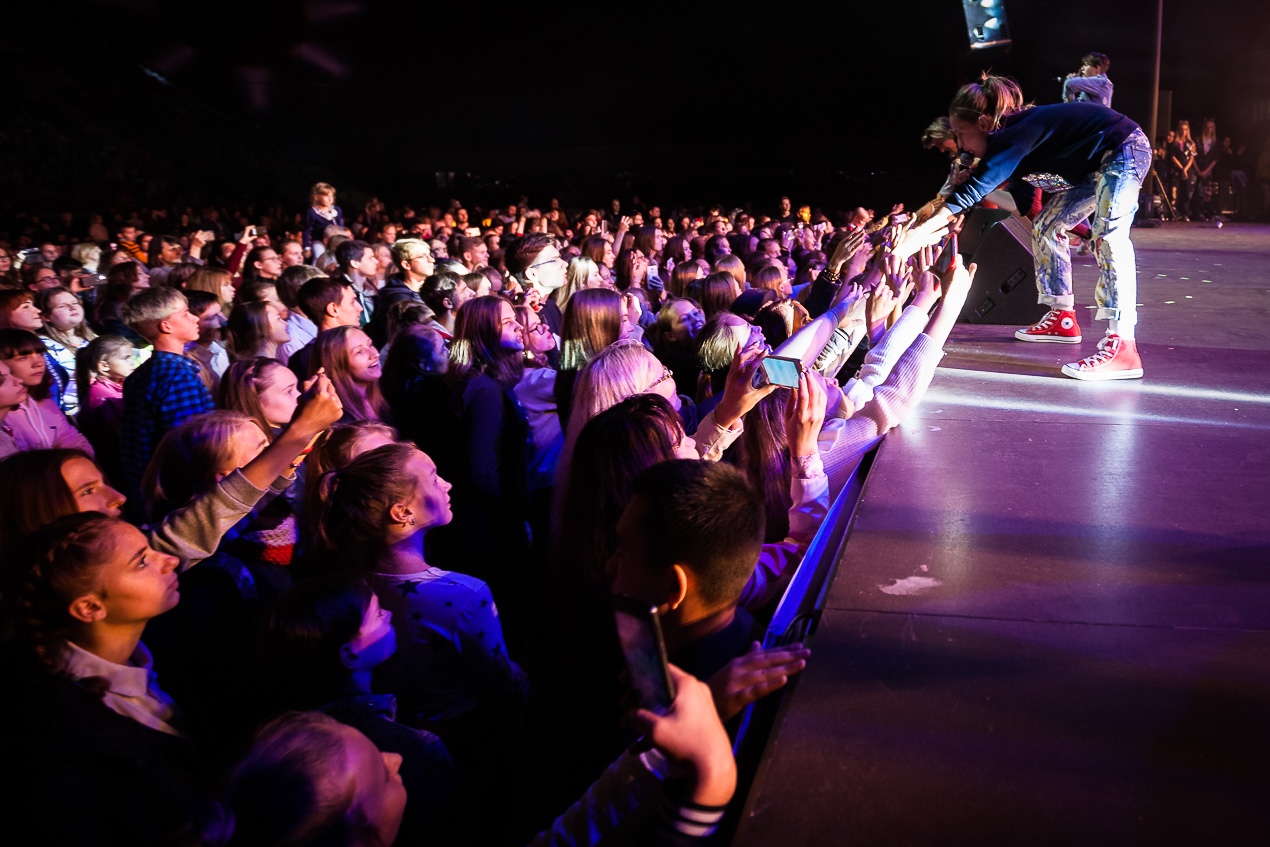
pixel 688 544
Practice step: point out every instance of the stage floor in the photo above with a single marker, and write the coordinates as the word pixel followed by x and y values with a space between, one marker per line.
pixel 1051 624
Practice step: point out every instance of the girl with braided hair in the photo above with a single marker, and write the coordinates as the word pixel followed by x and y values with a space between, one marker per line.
pixel 93 734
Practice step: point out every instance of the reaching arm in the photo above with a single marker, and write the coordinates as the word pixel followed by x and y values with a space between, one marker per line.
pixel 808 342
pixel 809 495
pixel 193 532
pixel 956 287
pixel 319 410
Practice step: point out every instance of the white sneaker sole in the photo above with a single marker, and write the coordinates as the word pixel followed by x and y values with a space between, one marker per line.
pixel 1100 375
pixel 1022 335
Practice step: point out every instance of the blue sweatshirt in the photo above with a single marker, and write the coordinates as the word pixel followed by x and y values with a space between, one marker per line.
pixel 1068 139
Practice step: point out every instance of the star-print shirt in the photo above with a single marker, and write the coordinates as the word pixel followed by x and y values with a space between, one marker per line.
pixel 450 649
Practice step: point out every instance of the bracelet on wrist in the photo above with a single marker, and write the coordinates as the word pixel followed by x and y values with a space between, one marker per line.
pixel 829 276
pixel 807 467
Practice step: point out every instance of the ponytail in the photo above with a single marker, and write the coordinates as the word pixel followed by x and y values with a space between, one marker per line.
pixel 350 525
pixel 320 507
pixel 994 96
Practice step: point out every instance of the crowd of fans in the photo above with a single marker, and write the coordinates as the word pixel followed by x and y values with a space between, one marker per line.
pixel 312 522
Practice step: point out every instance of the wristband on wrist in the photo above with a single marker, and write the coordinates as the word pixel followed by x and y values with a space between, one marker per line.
pixel 807 467
pixel 829 276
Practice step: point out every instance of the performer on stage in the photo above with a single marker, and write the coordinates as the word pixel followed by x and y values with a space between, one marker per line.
pixel 1094 160
pixel 1090 84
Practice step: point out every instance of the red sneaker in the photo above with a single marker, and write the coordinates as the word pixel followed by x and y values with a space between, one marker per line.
pixel 1057 327
pixel 1116 359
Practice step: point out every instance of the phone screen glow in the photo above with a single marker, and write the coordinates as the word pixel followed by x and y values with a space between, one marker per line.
pixel 781 371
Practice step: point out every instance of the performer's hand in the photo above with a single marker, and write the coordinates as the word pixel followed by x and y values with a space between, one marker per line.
pixel 930 232
pixel 923 214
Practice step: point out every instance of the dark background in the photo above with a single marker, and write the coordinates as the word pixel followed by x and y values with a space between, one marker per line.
pixel 133 102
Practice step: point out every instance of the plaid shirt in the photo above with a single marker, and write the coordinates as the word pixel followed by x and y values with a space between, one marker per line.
pixel 160 394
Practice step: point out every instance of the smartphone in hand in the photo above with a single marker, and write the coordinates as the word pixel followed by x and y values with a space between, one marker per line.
pixel 778 370
pixel 639 632
pixel 948 251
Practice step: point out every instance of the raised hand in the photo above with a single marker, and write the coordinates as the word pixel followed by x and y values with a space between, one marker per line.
pixel 880 305
pixel 320 407
pixel 956 281
pixel 739 393
pixel 905 292
pixel 895 271
pixel 805 414
pixel 845 249
pixel 956 286
pixel 923 259
pixel 928 289
pixel 851 291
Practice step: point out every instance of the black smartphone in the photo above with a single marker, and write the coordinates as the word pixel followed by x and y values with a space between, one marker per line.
pixel 639 632
pixel 946 254
pixel 778 370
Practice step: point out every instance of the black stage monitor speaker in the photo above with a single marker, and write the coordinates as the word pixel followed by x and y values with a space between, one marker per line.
pixel 977 222
pixel 1004 288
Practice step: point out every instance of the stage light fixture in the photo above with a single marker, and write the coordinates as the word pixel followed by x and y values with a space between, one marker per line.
pixel 985 23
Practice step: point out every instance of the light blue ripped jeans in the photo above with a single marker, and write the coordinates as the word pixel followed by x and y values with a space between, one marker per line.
pixel 1111 192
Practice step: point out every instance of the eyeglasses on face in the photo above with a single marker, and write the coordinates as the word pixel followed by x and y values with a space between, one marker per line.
pixel 551 261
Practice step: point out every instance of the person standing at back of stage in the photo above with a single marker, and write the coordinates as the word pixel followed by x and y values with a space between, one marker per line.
pixel 1181 152
pixel 1204 202
pixel 1090 84
pixel 1104 156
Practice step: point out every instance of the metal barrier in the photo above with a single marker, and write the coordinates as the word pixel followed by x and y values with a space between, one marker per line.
pixel 793 621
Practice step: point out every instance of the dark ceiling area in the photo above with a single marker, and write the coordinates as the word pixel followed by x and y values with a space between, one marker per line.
pixel 128 100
